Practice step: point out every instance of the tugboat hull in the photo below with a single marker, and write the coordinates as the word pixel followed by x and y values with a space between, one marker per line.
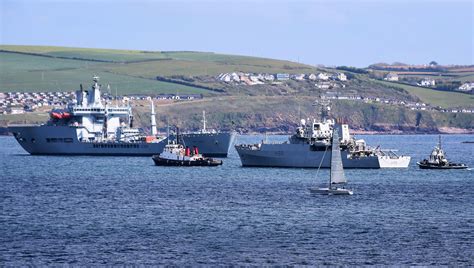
pixel 207 162
pixel 433 166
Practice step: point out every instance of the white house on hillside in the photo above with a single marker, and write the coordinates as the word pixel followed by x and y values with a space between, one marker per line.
pixel 312 77
pixel 341 77
pixel 466 87
pixel 298 77
pixel 323 76
pixel 427 83
pixel 391 77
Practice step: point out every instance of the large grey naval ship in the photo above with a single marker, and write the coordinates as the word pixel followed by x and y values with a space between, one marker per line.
pixel 310 147
pixel 87 126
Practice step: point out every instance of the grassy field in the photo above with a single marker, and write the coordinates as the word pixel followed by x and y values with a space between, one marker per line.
pixel 32 73
pixel 434 97
pixel 129 71
pixel 196 68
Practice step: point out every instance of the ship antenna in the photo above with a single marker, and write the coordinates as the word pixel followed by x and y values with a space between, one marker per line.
pixel 168 131
pixel 203 121
pixel 439 141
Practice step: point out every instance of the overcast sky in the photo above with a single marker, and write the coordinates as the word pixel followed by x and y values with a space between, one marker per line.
pixel 356 33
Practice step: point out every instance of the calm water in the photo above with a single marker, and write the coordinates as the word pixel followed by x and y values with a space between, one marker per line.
pixel 124 210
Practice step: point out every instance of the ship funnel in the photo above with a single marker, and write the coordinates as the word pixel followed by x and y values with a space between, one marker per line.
pixel 153 119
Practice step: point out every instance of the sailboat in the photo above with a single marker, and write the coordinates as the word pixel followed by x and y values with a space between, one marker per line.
pixel 337 180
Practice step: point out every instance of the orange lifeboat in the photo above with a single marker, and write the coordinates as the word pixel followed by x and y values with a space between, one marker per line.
pixel 56 115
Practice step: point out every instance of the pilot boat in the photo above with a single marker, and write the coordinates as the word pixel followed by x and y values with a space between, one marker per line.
pixel 177 155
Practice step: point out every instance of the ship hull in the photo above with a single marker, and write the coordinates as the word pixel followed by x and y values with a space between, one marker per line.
pixel 301 156
pixel 434 166
pixel 210 144
pixel 62 140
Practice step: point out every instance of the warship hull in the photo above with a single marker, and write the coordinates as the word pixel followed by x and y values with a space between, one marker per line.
pixel 63 140
pixel 210 144
pixel 302 156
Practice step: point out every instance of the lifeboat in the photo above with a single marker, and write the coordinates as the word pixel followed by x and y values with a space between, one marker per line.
pixel 56 115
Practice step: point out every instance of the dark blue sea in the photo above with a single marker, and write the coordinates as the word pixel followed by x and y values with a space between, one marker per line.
pixel 124 210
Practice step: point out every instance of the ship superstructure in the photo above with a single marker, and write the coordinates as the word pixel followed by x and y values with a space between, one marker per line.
pixel 310 147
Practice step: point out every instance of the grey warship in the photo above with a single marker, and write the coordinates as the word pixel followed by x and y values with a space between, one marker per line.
pixel 310 147
pixel 87 126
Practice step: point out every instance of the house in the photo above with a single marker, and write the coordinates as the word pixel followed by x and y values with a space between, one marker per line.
pixel 391 77
pixel 235 77
pixel 269 77
pixel 323 76
pixel 427 83
pixel 282 77
pixel 298 77
pixel 226 78
pixel 312 77
pixel 245 79
pixel 256 79
pixel 341 77
pixel 466 87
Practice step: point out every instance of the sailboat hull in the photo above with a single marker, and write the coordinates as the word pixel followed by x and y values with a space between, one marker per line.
pixel 331 191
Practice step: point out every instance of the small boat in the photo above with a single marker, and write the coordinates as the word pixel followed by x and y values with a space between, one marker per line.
pixel 337 179
pixel 437 160
pixel 178 155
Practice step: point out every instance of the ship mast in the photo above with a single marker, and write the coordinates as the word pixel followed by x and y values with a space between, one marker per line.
pixel 203 121
pixel 153 119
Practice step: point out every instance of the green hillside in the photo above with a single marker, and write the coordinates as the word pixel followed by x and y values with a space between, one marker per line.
pixel 443 99
pixel 45 68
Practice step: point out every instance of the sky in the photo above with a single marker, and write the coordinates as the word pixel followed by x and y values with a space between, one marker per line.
pixel 340 32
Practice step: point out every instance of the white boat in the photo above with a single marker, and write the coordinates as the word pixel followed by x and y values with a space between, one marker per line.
pixel 337 179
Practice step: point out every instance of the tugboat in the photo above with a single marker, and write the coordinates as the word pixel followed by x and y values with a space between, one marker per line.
pixel 437 160
pixel 177 155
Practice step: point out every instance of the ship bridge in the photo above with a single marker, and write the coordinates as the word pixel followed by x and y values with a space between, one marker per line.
pixel 111 111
